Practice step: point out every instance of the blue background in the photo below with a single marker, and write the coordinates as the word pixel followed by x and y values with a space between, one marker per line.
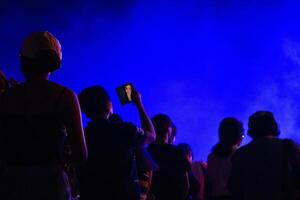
pixel 195 60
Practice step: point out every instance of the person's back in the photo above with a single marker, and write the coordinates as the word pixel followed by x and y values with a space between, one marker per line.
pixel 109 172
pixel 35 118
pixel 34 126
pixel 170 181
pixel 219 160
pixel 218 174
pixel 259 166
pixel 259 169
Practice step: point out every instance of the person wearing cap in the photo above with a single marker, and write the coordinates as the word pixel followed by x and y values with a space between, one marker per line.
pixel 35 119
pixel 267 167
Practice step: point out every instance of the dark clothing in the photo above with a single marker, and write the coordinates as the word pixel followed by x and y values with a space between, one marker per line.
pixel 145 167
pixel 222 198
pixel 108 172
pixel 32 123
pixel 168 181
pixel 194 186
pixel 258 170
pixel 32 135
pixel 145 161
pixel 199 170
pixel 34 183
pixel 218 172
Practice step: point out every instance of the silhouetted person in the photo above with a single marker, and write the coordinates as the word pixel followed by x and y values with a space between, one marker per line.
pixel 194 184
pixel 259 168
pixel 170 182
pixel 110 171
pixel 231 133
pixel 35 118
pixel 144 161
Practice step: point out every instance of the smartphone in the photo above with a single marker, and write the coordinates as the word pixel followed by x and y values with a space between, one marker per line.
pixel 125 93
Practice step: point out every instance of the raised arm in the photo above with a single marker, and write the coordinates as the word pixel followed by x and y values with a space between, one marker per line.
pixel 145 120
pixel 74 128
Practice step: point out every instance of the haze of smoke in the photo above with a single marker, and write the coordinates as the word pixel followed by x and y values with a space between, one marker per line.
pixel 280 94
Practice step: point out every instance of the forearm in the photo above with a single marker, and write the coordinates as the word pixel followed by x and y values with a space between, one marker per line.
pixel 74 128
pixel 146 123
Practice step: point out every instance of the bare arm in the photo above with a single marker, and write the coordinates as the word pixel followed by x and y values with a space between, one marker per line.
pixel 145 120
pixel 74 128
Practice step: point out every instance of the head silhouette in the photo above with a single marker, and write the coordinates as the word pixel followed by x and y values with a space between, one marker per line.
pixel 40 54
pixel 231 131
pixel 95 102
pixel 261 124
pixel 163 127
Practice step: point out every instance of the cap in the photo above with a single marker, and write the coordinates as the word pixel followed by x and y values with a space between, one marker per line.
pixel 39 41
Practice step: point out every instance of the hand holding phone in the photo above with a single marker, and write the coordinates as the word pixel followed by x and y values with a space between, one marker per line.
pixel 125 93
pixel 136 98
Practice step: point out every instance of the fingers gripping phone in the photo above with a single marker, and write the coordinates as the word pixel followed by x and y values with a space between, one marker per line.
pixel 125 93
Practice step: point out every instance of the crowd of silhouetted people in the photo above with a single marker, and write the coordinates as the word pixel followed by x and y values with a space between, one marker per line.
pixel 46 154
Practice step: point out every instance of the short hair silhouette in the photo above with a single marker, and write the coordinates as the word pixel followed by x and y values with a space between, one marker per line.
pixel 262 123
pixel 230 131
pixel 161 123
pixel 94 100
